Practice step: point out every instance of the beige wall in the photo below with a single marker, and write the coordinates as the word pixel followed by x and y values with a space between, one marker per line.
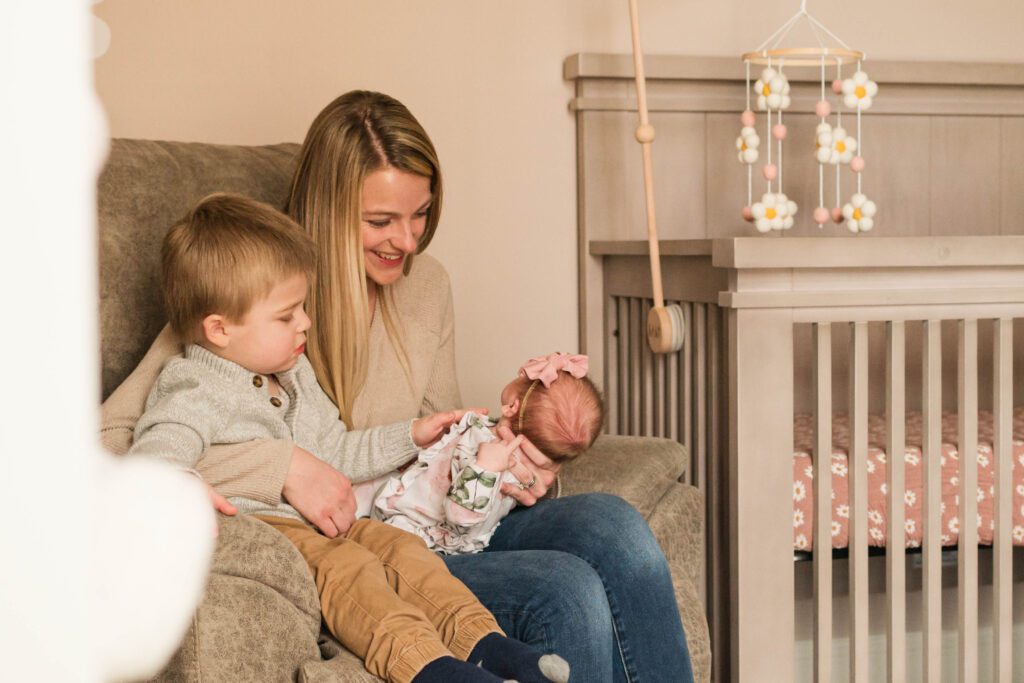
pixel 485 80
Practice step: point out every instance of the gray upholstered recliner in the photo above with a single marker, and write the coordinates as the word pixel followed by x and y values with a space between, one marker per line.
pixel 260 619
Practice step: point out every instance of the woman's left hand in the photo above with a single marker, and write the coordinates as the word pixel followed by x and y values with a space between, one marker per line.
pixel 535 471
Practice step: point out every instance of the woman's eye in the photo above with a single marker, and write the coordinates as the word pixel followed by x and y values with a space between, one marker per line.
pixel 378 224
pixel 422 214
pixel 287 319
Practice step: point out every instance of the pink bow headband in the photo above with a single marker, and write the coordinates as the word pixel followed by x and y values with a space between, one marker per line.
pixel 546 368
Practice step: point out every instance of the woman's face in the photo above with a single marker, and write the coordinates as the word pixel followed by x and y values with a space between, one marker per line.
pixel 394 216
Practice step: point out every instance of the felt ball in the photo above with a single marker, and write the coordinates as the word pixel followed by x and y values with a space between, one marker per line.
pixel 821 215
pixel 837 215
pixel 837 86
pixel 770 171
pixel 645 133
pixel 747 118
pixel 822 109
pixel 779 131
pixel 748 214
pixel 857 164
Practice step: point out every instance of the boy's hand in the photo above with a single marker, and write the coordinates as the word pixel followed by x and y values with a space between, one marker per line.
pixel 427 430
pixel 535 471
pixel 219 502
pixel 320 493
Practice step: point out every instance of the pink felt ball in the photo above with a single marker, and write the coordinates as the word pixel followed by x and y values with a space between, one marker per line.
pixel 857 164
pixel 779 131
pixel 837 215
pixel 821 215
pixel 748 214
pixel 837 86
pixel 770 171
pixel 747 118
pixel 822 109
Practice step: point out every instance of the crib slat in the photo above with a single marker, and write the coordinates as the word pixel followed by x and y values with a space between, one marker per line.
pixel 1002 545
pixel 714 462
pixel 967 555
pixel 672 404
pixel 686 409
pixel 647 374
pixel 660 382
pixel 931 453
pixel 624 340
pixel 858 480
pixel 636 344
pixel 699 455
pixel 611 368
pixel 823 502
pixel 895 553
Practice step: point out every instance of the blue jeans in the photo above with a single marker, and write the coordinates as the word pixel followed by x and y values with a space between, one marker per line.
pixel 583 577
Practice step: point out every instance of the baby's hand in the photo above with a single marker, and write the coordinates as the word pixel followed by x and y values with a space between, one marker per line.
pixel 219 502
pixel 498 456
pixel 427 430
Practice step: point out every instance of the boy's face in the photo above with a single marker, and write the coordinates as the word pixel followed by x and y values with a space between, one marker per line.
pixel 273 334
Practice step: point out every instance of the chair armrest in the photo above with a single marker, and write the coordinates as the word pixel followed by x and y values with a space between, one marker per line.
pixel 638 469
pixel 260 598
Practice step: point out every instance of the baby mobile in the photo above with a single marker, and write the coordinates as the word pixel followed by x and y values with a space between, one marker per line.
pixel 834 145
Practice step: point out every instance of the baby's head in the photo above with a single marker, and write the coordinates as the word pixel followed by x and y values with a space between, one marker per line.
pixel 554 405
pixel 226 260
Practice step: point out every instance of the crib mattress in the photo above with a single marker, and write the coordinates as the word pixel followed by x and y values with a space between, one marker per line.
pixel 877 460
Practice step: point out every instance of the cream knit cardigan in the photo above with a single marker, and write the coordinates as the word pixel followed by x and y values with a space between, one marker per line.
pixel 257 469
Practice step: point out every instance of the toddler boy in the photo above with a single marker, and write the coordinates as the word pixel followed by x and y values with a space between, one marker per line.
pixel 235 273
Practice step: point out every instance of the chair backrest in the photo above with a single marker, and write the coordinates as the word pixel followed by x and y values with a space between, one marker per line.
pixel 145 187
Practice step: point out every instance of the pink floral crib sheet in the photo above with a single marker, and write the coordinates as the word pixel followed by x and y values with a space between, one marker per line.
pixel 803 478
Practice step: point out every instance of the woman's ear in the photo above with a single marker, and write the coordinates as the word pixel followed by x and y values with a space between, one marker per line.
pixel 510 409
pixel 215 330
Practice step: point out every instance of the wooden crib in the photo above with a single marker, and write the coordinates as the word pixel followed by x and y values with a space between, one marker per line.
pixel 923 321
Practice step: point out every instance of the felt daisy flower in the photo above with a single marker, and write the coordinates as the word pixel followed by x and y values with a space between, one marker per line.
pixel 747 144
pixel 858 91
pixel 859 213
pixel 772 90
pixel 833 145
pixel 774 212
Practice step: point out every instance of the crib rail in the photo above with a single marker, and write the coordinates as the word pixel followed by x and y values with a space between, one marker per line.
pixel 774 329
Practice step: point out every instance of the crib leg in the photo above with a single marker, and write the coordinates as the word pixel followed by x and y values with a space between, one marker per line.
pixel 761 494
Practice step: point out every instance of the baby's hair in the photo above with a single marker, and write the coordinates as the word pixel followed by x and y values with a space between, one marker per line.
pixel 224 256
pixel 561 420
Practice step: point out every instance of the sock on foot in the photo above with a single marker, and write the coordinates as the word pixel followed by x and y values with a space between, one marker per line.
pixel 451 670
pixel 513 659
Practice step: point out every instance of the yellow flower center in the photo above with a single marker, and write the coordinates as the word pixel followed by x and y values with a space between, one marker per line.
pixel 769 213
pixel 744 147
pixel 840 146
pixel 857 214
pixel 861 92
pixel 766 90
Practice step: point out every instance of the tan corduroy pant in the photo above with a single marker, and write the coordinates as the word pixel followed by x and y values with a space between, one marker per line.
pixel 387 598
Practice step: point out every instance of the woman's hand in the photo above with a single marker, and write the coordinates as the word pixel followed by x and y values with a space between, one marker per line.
pixel 320 493
pixel 535 471
pixel 427 430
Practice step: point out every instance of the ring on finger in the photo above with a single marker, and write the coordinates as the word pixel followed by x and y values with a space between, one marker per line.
pixel 532 482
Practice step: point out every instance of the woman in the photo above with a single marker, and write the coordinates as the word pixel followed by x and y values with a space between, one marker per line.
pixel 368 189
pixel 580 576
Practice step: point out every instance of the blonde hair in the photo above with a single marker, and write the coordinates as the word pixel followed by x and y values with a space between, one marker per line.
pixel 561 420
pixel 355 135
pixel 225 255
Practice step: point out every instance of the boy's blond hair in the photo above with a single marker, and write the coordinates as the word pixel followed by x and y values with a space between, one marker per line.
pixel 225 255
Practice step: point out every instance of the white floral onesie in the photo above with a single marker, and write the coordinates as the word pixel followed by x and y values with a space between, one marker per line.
pixel 444 497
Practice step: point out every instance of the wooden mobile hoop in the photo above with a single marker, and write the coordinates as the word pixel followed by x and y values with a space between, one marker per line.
pixel 833 146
